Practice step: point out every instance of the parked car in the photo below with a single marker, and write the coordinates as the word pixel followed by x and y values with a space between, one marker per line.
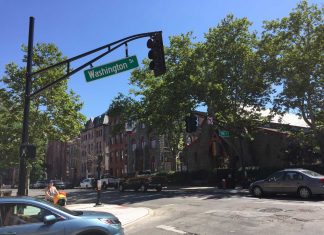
pixel 302 182
pixel 39 184
pixel 142 182
pixel 68 184
pixel 59 184
pixel 87 183
pixel 31 216
pixel 108 180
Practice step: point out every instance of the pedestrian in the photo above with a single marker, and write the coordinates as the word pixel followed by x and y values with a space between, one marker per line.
pixel 50 192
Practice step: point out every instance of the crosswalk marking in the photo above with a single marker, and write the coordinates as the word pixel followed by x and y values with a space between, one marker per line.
pixel 170 228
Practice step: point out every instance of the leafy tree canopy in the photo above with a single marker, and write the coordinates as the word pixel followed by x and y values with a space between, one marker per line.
pixel 54 113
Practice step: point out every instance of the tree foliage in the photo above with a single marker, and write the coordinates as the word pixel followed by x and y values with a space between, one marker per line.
pixel 54 113
pixel 231 80
pixel 292 49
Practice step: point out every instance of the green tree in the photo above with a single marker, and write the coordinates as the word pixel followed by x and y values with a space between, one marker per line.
pixel 292 49
pixel 231 82
pixel 54 113
pixel 166 100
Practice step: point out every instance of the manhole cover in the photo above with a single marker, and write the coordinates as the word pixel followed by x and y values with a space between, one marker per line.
pixel 271 210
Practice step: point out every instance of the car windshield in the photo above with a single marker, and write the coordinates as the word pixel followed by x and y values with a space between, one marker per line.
pixel 74 213
pixel 311 173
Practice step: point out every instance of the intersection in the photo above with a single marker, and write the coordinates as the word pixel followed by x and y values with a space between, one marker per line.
pixel 207 210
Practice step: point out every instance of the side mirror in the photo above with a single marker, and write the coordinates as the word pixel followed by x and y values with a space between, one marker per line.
pixel 49 219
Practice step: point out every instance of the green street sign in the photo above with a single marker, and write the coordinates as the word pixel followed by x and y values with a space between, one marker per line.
pixel 111 68
pixel 224 134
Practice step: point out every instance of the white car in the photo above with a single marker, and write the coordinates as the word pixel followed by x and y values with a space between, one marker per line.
pixel 108 180
pixel 86 183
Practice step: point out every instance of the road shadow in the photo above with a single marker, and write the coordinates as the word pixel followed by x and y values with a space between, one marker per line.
pixel 130 197
pixel 112 196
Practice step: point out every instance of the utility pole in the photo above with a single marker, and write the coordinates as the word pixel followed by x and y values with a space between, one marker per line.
pixel 24 139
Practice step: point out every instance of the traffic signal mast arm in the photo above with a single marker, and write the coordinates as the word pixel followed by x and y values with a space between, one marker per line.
pixel 111 47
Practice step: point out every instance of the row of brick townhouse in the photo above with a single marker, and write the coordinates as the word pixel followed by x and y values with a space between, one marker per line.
pixel 126 148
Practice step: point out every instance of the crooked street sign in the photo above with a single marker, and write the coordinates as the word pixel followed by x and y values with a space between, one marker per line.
pixel 111 68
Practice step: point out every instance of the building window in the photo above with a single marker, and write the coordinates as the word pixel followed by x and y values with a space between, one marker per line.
pixel 142 142
pixel 133 145
pixel 121 138
pixel 196 157
pixel 117 156
pixel 153 143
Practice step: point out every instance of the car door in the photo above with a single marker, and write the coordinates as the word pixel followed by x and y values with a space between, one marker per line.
pixel 25 219
pixel 291 182
pixel 273 184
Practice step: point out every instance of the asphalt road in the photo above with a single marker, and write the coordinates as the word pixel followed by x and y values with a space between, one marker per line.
pixel 212 211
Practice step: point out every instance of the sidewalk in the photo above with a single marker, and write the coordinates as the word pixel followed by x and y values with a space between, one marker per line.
pixel 126 215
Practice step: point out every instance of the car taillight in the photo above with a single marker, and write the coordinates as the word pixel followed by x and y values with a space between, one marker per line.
pixel 322 180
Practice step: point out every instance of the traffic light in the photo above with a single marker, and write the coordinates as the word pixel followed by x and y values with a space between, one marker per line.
pixel 156 54
pixel 191 123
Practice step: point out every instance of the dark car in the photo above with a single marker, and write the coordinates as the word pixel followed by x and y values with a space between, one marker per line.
pixel 59 184
pixel 39 184
pixel 30 216
pixel 302 182
pixel 142 183
pixel 68 184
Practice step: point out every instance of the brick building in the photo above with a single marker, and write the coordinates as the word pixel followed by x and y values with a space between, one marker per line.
pixel 93 143
pixel 76 162
pixel 56 160
pixel 206 150
pixel 116 147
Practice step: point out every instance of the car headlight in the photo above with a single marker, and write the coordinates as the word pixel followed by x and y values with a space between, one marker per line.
pixel 109 221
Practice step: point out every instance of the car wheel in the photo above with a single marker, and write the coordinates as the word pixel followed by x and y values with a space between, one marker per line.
pixel 159 189
pixel 104 185
pixel 86 186
pixel 304 193
pixel 257 191
pixel 121 188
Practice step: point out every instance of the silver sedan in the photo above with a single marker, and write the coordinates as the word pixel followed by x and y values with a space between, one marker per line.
pixel 30 216
pixel 302 182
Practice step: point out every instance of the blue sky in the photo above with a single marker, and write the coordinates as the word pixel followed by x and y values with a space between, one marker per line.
pixel 77 26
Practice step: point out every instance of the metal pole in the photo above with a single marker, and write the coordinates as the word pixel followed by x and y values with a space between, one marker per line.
pixel 24 139
pixel 98 202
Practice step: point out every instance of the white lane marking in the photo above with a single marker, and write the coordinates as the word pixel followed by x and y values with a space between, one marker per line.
pixel 169 205
pixel 172 229
pixel 193 188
